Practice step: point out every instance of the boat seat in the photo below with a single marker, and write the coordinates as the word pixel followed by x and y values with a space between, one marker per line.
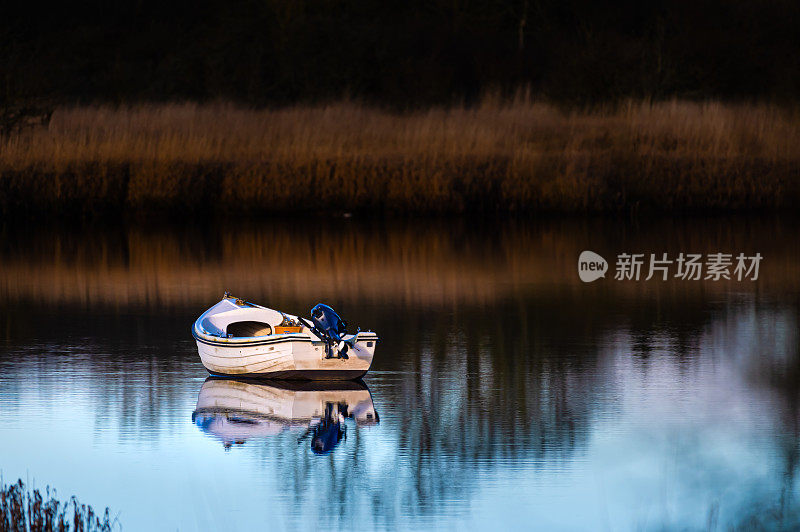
pixel 249 328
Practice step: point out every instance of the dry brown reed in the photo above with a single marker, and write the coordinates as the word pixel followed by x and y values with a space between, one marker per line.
pixel 22 509
pixel 499 156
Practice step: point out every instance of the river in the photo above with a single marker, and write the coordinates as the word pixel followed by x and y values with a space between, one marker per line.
pixel 505 392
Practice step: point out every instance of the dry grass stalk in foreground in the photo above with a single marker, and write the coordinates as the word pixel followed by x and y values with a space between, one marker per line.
pixel 22 509
pixel 499 156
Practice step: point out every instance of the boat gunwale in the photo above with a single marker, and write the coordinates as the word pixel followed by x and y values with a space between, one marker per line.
pixel 203 336
pixel 237 341
pixel 214 410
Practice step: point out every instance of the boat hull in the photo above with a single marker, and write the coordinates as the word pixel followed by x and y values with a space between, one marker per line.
pixel 290 356
pixel 302 375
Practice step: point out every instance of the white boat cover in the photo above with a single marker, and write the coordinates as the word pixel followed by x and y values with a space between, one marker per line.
pixel 218 317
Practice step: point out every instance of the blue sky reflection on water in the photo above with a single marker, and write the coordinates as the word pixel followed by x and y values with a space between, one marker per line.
pixel 565 409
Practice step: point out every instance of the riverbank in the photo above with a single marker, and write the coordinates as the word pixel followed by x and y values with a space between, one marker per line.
pixel 499 157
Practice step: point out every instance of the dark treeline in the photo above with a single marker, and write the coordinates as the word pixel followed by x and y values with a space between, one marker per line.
pixel 400 53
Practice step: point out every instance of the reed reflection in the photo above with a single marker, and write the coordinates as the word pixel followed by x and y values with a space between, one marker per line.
pixel 418 263
pixel 234 411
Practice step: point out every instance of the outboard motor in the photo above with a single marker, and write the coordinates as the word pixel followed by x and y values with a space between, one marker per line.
pixel 328 321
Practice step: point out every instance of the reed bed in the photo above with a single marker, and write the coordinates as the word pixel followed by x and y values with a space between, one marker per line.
pixel 24 510
pixel 516 155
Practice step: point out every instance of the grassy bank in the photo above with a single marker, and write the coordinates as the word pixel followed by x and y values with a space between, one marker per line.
pixel 518 156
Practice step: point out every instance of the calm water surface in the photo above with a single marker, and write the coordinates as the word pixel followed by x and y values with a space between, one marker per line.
pixel 505 392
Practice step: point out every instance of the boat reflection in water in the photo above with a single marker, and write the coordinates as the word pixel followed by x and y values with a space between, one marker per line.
pixel 235 411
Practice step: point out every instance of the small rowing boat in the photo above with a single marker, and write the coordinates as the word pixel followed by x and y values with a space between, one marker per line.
pixel 239 338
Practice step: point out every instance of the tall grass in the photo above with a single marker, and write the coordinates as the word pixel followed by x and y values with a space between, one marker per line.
pixel 518 155
pixel 25 510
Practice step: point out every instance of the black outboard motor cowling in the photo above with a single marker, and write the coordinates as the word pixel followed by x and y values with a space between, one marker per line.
pixel 326 320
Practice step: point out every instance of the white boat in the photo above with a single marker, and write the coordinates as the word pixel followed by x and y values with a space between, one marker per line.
pixel 238 338
pixel 234 411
